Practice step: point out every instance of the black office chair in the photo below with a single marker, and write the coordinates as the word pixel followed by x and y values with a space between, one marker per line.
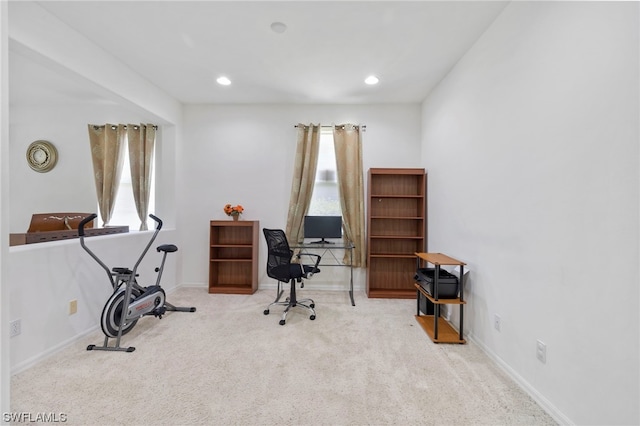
pixel 280 267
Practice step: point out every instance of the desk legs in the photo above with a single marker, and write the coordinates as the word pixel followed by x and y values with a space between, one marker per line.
pixel 351 278
pixel 338 263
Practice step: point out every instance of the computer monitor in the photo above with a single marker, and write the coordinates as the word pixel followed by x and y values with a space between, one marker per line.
pixel 322 227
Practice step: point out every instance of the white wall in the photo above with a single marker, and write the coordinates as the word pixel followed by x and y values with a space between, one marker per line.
pixel 531 144
pixel 244 154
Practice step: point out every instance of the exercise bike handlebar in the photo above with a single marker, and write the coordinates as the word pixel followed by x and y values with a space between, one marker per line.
pixel 153 238
pixel 91 217
pixel 84 222
pixel 158 221
pixel 81 226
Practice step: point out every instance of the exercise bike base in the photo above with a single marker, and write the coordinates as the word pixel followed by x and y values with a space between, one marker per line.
pixel 105 347
pixel 181 309
pixel 173 308
pixel 110 348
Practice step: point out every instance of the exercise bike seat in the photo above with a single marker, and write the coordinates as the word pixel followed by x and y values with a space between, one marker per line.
pixel 167 248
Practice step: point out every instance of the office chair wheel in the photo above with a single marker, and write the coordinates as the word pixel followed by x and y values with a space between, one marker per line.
pixel 282 322
pixel 312 317
pixel 313 305
pixel 266 312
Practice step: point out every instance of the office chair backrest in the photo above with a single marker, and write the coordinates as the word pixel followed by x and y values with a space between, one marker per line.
pixel 279 254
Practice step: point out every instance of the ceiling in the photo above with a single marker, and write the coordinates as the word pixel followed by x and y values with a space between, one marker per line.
pixel 323 57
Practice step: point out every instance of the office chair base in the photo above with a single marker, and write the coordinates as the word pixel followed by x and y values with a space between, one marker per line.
pixel 307 304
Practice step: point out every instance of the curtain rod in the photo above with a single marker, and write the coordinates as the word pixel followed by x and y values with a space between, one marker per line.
pixel 113 127
pixel 360 126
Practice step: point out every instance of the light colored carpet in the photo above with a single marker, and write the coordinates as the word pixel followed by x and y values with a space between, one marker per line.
pixel 228 364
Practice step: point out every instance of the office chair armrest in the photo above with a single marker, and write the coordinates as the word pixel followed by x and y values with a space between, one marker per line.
pixel 315 266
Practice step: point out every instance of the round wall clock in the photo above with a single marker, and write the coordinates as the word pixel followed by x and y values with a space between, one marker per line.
pixel 42 156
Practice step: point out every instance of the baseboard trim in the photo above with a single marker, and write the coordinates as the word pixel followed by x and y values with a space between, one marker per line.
pixel 546 405
pixel 190 285
pixel 28 363
pixel 309 285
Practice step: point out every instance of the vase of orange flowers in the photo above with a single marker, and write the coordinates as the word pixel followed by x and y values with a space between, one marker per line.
pixel 234 211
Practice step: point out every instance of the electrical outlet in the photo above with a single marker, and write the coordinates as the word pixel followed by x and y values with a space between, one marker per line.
pixel 497 322
pixel 541 351
pixel 15 328
pixel 73 307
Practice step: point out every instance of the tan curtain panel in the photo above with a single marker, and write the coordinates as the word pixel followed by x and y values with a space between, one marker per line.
pixel 106 151
pixel 348 145
pixel 142 140
pixel 304 176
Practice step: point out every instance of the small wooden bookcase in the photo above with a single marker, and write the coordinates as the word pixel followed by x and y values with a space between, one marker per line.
pixel 438 329
pixel 233 256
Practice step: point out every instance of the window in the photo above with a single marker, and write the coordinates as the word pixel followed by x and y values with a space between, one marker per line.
pixel 124 210
pixel 325 200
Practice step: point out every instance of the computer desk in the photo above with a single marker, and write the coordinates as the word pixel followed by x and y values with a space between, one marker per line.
pixel 328 250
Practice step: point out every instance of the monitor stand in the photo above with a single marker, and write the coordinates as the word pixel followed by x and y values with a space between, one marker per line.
pixel 322 241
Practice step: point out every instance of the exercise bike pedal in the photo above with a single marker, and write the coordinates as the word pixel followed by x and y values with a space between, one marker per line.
pixel 159 312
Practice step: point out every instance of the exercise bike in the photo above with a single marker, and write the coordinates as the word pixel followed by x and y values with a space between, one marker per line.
pixel 130 301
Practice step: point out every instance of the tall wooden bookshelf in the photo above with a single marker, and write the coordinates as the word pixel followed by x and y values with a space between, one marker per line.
pixel 396 230
pixel 233 256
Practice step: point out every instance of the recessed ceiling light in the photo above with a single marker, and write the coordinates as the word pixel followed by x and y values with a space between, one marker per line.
pixel 224 81
pixel 372 79
pixel 278 27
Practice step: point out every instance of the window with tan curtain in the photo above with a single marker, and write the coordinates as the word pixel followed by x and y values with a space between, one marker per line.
pixel 123 158
pixel 348 154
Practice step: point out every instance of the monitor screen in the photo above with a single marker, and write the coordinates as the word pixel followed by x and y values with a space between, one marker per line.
pixel 323 227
